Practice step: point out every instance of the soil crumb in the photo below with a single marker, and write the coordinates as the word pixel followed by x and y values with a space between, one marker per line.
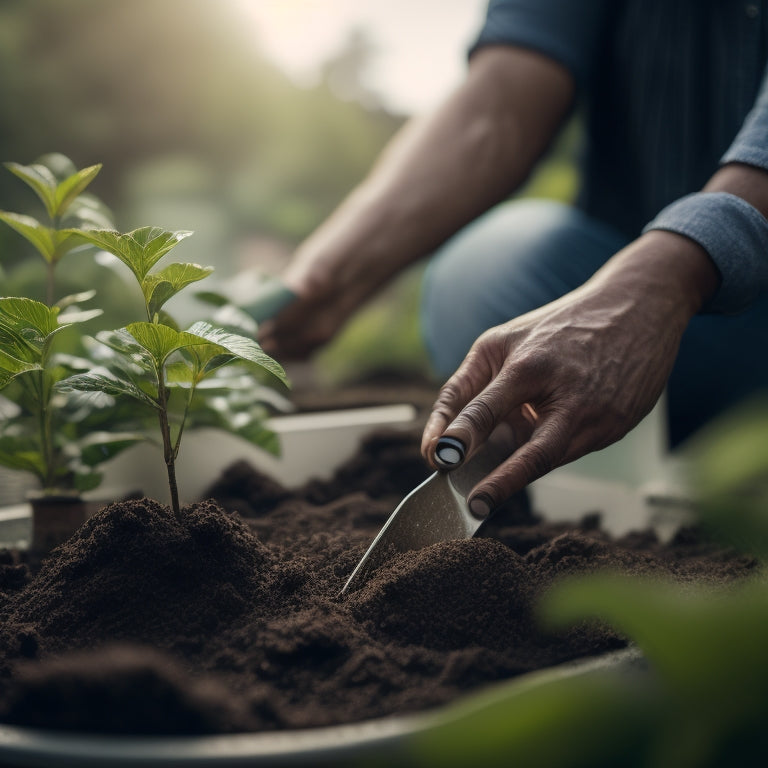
pixel 227 617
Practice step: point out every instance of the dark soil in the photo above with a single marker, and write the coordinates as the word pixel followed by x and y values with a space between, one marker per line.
pixel 227 618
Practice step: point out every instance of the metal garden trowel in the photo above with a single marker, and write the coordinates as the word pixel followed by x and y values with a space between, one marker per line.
pixel 436 510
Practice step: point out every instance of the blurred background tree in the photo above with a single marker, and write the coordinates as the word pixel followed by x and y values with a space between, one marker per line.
pixel 198 129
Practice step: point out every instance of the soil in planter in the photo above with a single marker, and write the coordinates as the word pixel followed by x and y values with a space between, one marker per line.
pixel 226 618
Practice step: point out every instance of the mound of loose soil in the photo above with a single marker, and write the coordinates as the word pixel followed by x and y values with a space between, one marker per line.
pixel 227 617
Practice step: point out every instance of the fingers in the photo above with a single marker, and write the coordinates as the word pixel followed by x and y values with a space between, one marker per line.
pixel 547 448
pixel 469 381
pixel 470 420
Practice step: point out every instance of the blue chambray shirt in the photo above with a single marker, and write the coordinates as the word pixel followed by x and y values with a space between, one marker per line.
pixel 666 87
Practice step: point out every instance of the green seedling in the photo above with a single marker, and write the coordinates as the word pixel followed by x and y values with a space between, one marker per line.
pixel 153 361
pixel 65 202
pixel 39 432
pixel 57 438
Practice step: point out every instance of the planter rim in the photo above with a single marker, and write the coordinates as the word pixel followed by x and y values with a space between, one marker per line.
pixel 34 747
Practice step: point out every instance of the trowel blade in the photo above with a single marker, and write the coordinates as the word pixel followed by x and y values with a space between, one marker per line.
pixel 434 511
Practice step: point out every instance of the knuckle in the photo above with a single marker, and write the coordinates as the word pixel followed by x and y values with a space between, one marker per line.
pixel 536 461
pixel 480 415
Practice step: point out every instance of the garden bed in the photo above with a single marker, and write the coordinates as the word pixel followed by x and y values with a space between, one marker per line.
pixel 227 618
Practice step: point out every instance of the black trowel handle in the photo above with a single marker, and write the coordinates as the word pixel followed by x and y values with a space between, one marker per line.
pixel 449 453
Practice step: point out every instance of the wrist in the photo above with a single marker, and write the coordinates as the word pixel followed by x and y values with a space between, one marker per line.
pixel 665 267
pixel 735 236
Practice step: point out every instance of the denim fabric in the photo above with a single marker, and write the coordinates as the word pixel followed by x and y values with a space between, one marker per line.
pixel 514 259
pixel 527 253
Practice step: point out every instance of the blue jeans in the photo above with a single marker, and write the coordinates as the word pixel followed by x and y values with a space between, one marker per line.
pixel 524 254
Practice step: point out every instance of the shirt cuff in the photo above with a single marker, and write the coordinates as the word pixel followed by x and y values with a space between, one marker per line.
pixel 733 233
pixel 749 146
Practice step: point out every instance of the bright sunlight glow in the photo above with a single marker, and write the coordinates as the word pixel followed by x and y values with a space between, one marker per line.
pixel 419 45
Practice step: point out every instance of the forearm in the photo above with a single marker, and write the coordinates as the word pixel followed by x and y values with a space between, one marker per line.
pixel 744 181
pixel 442 171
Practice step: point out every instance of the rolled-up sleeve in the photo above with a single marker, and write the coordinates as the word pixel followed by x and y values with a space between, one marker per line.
pixel 733 232
pixel 751 143
pixel 565 30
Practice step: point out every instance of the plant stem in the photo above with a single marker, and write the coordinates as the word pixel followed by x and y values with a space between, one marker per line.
pixel 168 449
pixel 50 284
pixel 187 405
pixel 46 447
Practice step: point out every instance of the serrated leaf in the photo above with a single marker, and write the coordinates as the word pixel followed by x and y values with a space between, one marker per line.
pixel 160 340
pixel 128 349
pixel 11 367
pixel 20 313
pixel 69 189
pixel 102 382
pixel 160 286
pixel 240 347
pixel 140 249
pixel 41 180
pixel 52 244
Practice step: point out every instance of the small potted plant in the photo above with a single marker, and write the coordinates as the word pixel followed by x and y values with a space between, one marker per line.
pixel 67 413
pixel 54 437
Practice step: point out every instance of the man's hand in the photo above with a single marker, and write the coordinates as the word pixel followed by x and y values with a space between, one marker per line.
pixel 575 375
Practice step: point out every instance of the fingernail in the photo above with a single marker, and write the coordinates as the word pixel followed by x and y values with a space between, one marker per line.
pixel 480 506
pixel 449 452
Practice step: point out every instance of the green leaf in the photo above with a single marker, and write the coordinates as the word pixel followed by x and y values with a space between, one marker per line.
pixel 85 481
pixel 140 249
pixel 240 347
pixel 99 447
pixel 42 181
pixel 52 244
pixel 72 316
pixel 11 367
pixel 72 362
pixel 179 373
pixel 90 213
pixel 21 453
pixel 103 382
pixel 69 189
pixel 130 352
pixel 160 340
pixel 729 471
pixel 213 298
pixel 158 287
pixel 21 313
pixel 56 196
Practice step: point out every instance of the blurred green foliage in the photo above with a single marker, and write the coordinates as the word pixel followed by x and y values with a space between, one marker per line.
pixel 702 702
pixel 134 83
